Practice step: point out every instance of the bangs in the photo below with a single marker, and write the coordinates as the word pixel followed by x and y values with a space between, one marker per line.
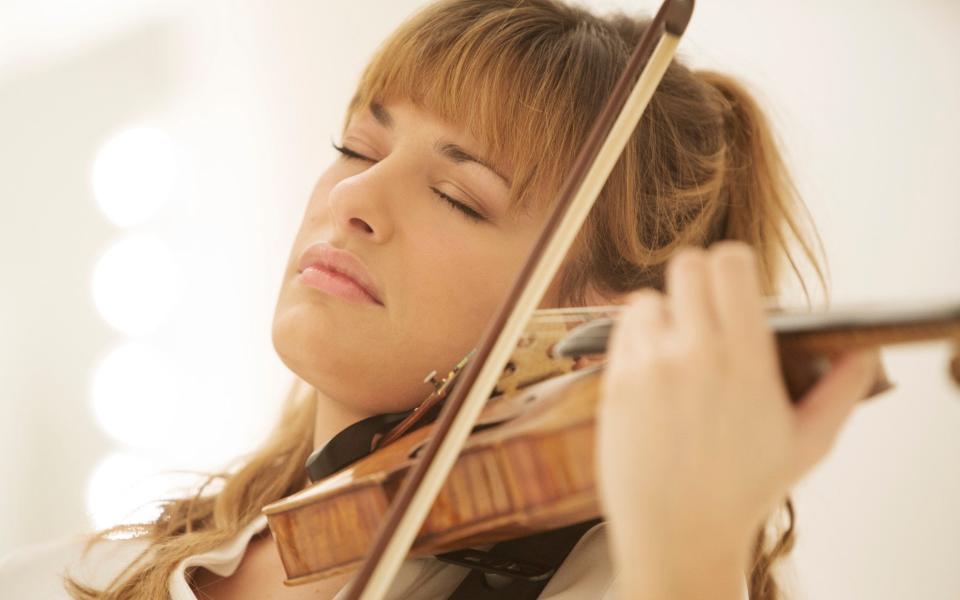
pixel 526 83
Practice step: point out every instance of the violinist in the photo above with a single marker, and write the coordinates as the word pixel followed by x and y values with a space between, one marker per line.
pixel 460 130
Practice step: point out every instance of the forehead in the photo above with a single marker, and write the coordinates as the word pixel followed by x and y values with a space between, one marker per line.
pixel 396 115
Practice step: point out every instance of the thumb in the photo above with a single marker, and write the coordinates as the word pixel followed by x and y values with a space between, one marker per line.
pixel 824 409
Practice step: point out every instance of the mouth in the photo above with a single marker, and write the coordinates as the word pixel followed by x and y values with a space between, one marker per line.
pixel 339 273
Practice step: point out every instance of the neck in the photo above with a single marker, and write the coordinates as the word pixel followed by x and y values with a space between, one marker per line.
pixel 331 418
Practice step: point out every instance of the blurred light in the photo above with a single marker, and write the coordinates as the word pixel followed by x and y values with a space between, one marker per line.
pixel 137 397
pixel 125 488
pixel 134 174
pixel 136 284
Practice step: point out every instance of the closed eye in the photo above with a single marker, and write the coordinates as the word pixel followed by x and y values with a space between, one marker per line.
pixel 460 206
pixel 347 152
pixel 449 200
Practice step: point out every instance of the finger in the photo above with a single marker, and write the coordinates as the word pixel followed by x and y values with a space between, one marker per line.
pixel 635 339
pixel 823 410
pixel 738 299
pixel 689 296
pixel 642 322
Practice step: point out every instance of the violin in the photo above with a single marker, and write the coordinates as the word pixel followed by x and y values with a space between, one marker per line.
pixel 493 469
pixel 528 465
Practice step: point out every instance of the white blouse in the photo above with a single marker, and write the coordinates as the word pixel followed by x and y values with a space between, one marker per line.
pixel 36 571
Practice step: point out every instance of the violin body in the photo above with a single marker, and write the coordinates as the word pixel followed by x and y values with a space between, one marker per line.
pixel 527 468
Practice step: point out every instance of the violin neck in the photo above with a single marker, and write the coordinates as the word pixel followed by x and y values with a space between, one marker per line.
pixel 806 341
pixel 851 328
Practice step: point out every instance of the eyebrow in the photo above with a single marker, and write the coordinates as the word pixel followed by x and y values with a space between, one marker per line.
pixel 449 150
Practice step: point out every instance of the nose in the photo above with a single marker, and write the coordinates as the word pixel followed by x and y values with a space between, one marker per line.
pixel 358 205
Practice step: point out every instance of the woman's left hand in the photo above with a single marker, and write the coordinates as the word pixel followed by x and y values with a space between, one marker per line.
pixel 697 439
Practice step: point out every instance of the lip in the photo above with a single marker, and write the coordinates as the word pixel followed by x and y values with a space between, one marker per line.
pixel 337 271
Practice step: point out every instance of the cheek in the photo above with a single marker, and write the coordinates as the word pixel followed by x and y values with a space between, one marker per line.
pixel 475 271
pixel 316 222
pixel 459 287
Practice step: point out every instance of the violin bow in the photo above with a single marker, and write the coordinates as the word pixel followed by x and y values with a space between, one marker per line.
pixel 596 159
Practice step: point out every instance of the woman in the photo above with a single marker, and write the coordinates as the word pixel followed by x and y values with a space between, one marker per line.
pixel 454 144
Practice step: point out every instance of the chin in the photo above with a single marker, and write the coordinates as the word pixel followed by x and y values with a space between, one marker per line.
pixel 340 373
pixel 298 339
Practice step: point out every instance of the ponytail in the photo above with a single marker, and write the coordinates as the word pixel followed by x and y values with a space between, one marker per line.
pixel 760 198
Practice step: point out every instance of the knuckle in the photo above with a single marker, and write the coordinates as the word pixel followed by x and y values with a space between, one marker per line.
pixel 638 358
pixel 643 297
pixel 731 255
pixel 700 354
pixel 687 261
pixel 644 306
pixel 675 355
pixel 663 360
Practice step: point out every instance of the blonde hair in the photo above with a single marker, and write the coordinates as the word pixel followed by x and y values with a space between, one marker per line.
pixel 528 78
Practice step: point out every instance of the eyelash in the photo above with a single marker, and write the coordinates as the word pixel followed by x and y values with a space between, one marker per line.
pixel 451 201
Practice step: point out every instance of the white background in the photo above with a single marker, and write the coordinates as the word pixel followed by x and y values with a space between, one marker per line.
pixel 864 95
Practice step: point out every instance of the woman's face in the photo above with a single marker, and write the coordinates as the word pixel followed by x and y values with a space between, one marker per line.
pixel 438 270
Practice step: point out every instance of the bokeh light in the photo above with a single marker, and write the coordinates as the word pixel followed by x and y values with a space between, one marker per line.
pixel 136 284
pixel 134 174
pixel 137 396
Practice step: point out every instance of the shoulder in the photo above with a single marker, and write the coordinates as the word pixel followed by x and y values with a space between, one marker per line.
pixel 38 571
